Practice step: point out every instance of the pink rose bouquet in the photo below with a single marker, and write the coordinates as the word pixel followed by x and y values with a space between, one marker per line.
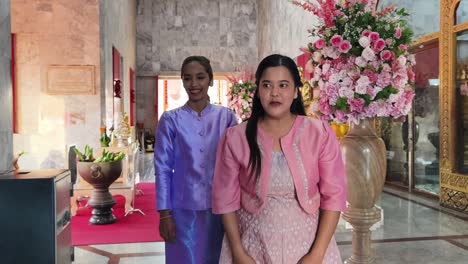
pixel 360 61
pixel 240 94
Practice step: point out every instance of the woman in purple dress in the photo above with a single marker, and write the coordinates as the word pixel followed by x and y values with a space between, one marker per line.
pixel 184 157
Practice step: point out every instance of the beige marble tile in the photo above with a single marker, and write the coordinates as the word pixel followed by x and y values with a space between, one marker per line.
pixel 135 253
pixel 434 252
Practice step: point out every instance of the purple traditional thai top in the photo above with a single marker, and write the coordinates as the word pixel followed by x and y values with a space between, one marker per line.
pixel 185 154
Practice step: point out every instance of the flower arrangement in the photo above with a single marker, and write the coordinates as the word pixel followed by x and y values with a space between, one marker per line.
pixel 360 61
pixel 240 93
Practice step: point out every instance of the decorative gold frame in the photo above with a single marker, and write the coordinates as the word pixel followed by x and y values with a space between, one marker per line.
pixel 70 79
pixel 453 186
pixel 425 39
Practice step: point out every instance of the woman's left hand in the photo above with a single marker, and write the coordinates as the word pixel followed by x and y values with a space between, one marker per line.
pixel 311 259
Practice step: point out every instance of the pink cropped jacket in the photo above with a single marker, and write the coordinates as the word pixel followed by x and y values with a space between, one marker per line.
pixel 312 153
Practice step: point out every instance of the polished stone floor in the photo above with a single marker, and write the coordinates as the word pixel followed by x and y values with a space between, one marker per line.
pixel 414 230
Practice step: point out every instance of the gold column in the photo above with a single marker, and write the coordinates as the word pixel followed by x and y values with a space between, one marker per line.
pixel 453 186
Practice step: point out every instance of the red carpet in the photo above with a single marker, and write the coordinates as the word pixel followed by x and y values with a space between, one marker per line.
pixel 133 228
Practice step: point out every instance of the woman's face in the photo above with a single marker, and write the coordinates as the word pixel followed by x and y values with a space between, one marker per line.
pixel 277 91
pixel 196 81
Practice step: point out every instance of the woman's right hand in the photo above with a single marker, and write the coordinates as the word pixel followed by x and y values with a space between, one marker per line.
pixel 167 228
pixel 242 258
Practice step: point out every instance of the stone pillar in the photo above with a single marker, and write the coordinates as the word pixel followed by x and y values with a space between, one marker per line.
pixel 6 103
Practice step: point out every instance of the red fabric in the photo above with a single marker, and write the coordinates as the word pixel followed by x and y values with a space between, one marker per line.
pixel 133 228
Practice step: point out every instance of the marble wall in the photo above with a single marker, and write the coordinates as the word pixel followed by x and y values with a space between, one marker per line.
pixel 54 32
pixel 6 130
pixel 424 14
pixel 282 28
pixel 170 30
pixel 117 29
pixel 146 102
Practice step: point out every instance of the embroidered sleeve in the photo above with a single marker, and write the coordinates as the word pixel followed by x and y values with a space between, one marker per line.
pixel 226 187
pixel 332 183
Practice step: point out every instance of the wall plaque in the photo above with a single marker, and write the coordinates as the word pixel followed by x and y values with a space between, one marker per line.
pixel 70 79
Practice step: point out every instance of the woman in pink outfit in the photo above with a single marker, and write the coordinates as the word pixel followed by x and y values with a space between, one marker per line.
pixel 279 180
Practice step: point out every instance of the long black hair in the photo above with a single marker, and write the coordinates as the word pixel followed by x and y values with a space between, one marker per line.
pixel 297 107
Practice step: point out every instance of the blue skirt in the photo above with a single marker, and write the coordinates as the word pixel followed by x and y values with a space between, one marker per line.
pixel 199 236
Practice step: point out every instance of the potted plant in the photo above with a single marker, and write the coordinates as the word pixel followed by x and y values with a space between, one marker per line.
pixel 100 173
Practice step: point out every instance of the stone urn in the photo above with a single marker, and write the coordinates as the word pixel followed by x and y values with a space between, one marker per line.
pixel 365 161
pixel 100 175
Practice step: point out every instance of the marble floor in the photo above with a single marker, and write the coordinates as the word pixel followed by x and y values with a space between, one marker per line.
pixel 414 230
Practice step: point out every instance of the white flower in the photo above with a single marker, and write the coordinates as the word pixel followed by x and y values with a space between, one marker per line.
pixel 315 93
pixel 361 84
pixel 368 54
pixel 364 42
pixel 401 60
pixel 334 78
pixel 346 92
pixel 412 59
pixel 325 68
pixel 361 62
pixel 314 107
pixel 317 56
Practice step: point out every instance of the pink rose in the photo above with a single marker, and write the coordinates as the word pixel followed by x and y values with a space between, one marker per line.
pixel 356 105
pixel 365 33
pixel 341 116
pixel 379 45
pixel 324 107
pixel 386 55
pixel 397 33
pixel 389 41
pixel 371 75
pixel 372 109
pixel 319 44
pixel 402 47
pixel 336 40
pixel 374 36
pixel 345 46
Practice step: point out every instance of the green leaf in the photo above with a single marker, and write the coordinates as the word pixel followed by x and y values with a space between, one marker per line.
pixel 79 155
pixel 366 97
pixel 385 93
pixel 342 104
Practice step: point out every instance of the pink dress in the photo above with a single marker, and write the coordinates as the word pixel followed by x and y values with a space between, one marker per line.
pixel 281 232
